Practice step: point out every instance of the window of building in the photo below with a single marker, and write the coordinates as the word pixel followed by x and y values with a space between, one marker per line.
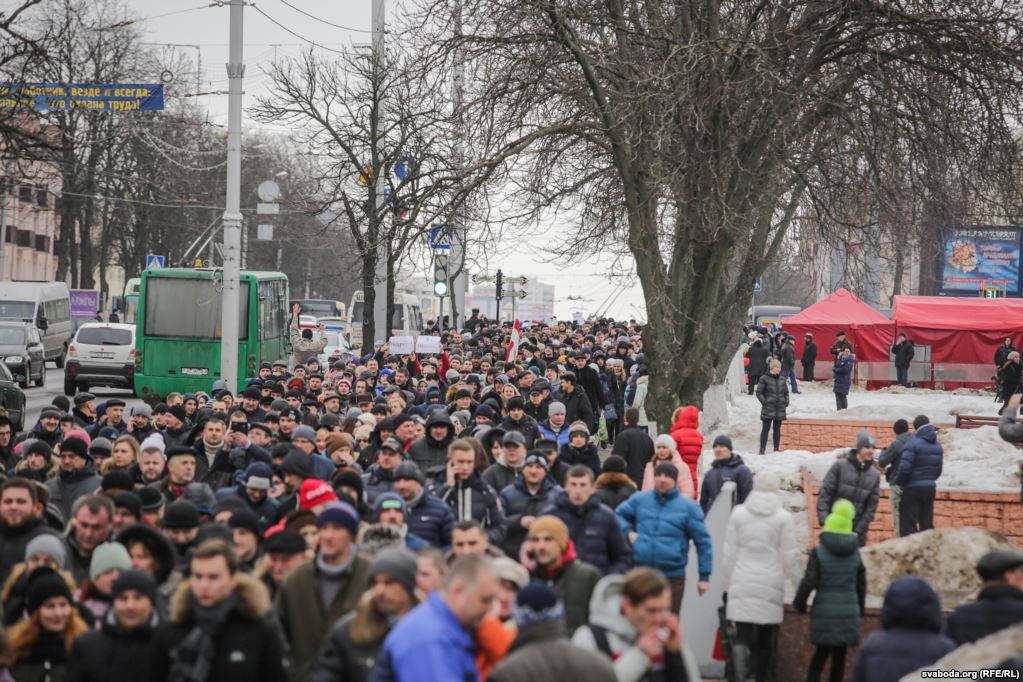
pixel 42 197
pixel 25 192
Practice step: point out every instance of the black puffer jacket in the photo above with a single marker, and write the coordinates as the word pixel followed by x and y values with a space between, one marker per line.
pixel 112 654
pixel 773 394
pixel 998 606
pixel 427 452
pixel 473 499
pixel 860 483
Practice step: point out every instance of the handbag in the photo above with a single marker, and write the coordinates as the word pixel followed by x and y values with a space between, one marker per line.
pixel 610 413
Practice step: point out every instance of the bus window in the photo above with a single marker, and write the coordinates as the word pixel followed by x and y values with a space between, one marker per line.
pixel 168 314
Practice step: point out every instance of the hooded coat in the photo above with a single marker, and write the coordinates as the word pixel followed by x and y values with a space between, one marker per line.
pixel 588 455
pixel 722 471
pixel 759 554
pixel 835 571
pixel 688 439
pixel 843 371
pixel 473 498
pixel 527 426
pixel 998 606
pixel 518 501
pixel 542 652
pixel 628 660
pixel 430 519
pixel 248 646
pixel 427 452
pixel 910 637
pixel 921 461
pixel 860 483
pixel 112 653
pixel 613 488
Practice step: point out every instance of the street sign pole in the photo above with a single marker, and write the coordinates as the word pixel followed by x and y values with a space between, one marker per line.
pixel 232 213
pixel 380 322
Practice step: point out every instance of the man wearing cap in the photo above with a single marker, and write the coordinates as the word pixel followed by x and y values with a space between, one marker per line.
pixel 556 565
pixel 354 644
pixel 841 343
pixel 432 449
pixel 919 469
pixel 47 429
pixel 532 491
pixel 726 466
pixel 120 649
pixel 140 422
pixel 389 526
pixel 304 438
pixel 319 593
pixel 999 603
pixel 577 404
pixel 177 430
pixel 855 478
pixel 555 427
pixel 113 416
pixel 502 473
pixel 284 551
pixel 518 420
pixel 537 405
pixel 248 538
pixel 380 477
pixel 589 381
pixel 660 524
pixel 85 410
pixel 77 478
pixel 250 405
pixel 180 524
pixel 253 490
pixel 428 517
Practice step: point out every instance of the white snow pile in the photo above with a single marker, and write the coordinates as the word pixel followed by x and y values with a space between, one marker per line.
pixel 944 557
pixel 978 459
pixel 980 655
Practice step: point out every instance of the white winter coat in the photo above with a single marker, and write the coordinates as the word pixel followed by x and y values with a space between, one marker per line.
pixel 760 552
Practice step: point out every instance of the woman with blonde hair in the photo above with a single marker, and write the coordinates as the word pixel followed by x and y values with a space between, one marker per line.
pixel 123 454
pixel 41 641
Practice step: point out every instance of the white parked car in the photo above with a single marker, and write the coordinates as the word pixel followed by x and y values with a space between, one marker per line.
pixel 101 354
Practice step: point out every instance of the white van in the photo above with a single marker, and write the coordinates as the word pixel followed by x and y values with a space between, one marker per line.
pixel 47 305
pixel 406 321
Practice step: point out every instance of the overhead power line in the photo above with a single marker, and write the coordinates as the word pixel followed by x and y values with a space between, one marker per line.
pixel 324 21
pixel 297 35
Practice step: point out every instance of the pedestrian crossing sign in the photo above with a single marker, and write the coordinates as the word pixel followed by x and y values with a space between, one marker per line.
pixel 154 262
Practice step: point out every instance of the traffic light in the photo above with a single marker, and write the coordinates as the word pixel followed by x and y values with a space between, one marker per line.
pixel 440 275
pixel 499 285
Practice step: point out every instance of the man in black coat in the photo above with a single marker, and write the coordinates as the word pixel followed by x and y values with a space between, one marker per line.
pixel 20 521
pixel 1000 602
pixel 218 597
pixel 635 446
pixel 903 352
pixel 589 381
pixel 578 407
pixel 121 649
pixel 809 357
pixel 759 352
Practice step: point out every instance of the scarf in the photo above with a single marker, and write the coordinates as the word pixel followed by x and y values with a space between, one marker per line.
pixel 192 659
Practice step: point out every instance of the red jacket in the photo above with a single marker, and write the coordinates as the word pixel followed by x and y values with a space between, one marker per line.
pixel 688 439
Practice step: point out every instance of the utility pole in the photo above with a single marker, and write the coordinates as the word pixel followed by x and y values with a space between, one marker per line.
pixel 380 321
pixel 458 233
pixel 3 223
pixel 232 213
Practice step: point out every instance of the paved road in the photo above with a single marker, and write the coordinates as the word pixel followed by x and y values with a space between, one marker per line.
pixel 38 398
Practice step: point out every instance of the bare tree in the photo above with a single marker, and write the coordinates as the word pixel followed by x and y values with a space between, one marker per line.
pixel 691 134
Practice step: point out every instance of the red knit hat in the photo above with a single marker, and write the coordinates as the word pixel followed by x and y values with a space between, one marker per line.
pixel 314 492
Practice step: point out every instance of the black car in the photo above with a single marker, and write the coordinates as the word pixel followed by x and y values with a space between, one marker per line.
pixel 22 351
pixel 11 398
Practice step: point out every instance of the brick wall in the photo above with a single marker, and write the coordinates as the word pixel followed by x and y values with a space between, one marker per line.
pixel 795 650
pixel 822 435
pixel 1001 512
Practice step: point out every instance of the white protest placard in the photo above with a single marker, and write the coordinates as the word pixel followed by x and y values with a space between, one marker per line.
pixel 402 345
pixel 552 322
pixel 578 316
pixel 428 344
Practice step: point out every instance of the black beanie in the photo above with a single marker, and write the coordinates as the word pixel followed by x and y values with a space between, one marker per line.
pixel 140 581
pixel 76 446
pixel 44 583
pixel 900 427
pixel 921 420
pixel 615 464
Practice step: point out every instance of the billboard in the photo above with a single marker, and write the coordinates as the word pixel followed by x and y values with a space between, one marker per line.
pixel 979 257
pixel 90 97
pixel 84 304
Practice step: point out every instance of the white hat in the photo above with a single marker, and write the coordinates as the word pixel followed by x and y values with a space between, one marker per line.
pixel 153 441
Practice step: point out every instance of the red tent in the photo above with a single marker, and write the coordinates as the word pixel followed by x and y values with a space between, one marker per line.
pixel 963 333
pixel 870 332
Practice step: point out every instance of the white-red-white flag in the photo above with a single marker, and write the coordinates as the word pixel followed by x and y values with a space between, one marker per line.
pixel 513 347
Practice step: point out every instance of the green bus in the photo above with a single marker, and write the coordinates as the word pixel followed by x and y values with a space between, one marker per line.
pixel 177 331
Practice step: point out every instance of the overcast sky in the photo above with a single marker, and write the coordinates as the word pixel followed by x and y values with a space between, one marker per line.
pixel 206 30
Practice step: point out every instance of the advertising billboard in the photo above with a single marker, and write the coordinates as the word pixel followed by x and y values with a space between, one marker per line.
pixel 982 257
pixel 84 304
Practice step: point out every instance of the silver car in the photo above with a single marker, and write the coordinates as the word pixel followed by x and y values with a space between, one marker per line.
pixel 101 354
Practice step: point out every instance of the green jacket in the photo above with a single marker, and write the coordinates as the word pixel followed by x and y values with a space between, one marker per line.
pixel 836 572
pixel 574 582
pixel 300 610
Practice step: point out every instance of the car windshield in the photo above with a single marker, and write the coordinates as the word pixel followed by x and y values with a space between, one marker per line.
pixel 17 310
pixel 12 336
pixel 104 336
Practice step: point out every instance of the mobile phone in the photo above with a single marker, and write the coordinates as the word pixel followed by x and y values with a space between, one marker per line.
pixel 240 427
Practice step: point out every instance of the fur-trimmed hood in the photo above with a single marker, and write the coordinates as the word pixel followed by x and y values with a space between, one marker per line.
pixel 614 480
pixel 254 604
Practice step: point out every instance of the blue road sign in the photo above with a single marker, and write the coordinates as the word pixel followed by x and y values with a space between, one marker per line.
pixel 154 262
pixel 439 238
pixel 758 286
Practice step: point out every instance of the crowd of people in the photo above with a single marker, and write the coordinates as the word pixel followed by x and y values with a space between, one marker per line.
pixel 483 513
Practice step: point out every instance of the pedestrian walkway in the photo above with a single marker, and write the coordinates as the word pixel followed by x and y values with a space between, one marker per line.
pixel 824 435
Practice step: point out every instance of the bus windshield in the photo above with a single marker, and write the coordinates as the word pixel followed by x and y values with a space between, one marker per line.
pixel 189 309
pixel 17 310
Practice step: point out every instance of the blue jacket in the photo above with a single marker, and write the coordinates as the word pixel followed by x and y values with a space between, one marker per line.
pixel 920 464
pixel 547 432
pixel 722 471
pixel 911 636
pixel 518 502
pixel 595 530
pixel 430 638
pixel 432 520
pixel 843 371
pixel 666 523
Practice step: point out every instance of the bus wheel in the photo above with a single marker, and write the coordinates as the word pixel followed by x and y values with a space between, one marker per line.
pixel 69 386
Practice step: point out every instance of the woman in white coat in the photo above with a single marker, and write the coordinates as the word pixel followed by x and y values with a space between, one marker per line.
pixel 760 553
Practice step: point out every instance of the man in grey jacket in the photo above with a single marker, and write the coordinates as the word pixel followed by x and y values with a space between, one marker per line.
pixel 855 478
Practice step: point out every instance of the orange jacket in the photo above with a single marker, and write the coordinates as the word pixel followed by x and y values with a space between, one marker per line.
pixel 493 640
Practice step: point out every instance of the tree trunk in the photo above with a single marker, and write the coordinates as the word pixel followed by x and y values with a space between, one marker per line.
pixel 390 296
pixel 369 298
